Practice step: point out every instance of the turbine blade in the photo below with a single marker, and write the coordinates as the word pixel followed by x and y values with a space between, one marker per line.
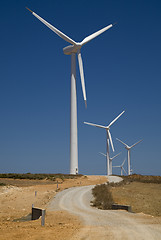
pixel 116 119
pixel 122 142
pixel 115 166
pixel 115 156
pixel 29 9
pixel 59 33
pixel 95 125
pixel 123 162
pixel 103 154
pixel 92 36
pixel 111 141
pixel 124 171
pixel 82 76
pixel 136 143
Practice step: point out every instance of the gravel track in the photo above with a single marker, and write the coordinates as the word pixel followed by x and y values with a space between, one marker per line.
pixel 103 224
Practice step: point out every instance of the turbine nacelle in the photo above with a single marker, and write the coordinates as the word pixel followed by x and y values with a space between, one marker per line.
pixel 72 49
pixel 111 158
pixel 128 148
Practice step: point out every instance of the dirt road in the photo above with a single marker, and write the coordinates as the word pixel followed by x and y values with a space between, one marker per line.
pixel 104 224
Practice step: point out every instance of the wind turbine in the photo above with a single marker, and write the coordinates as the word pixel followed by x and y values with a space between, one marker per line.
pixel 73 49
pixel 122 168
pixel 110 159
pixel 128 153
pixel 109 138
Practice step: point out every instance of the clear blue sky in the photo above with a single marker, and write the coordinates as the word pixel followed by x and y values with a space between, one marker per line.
pixel 122 72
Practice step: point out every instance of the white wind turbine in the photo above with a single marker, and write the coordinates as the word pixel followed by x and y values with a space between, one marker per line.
pixel 109 138
pixel 110 158
pixel 72 50
pixel 128 153
pixel 122 168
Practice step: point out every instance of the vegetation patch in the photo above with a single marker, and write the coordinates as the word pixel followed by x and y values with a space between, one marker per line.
pixel 2 184
pixel 142 178
pixel 102 196
pixel 136 178
pixel 39 176
pixel 142 193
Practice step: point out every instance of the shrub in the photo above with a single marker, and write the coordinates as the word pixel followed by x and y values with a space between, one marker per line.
pixel 102 197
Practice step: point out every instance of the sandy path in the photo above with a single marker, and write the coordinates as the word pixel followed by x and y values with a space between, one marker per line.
pixel 103 224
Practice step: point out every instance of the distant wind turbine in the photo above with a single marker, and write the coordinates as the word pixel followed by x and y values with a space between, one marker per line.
pixel 73 49
pixel 122 168
pixel 108 139
pixel 110 158
pixel 128 153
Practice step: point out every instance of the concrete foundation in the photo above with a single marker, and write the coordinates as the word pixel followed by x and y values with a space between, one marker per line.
pixel 123 207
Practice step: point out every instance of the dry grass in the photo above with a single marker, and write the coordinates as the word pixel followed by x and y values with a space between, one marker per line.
pixel 142 193
pixel 142 178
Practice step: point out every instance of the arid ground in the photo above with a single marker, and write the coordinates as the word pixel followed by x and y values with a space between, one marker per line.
pixel 17 197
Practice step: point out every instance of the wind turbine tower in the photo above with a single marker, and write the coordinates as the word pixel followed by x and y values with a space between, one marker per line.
pixel 128 153
pixel 110 159
pixel 108 140
pixel 73 49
